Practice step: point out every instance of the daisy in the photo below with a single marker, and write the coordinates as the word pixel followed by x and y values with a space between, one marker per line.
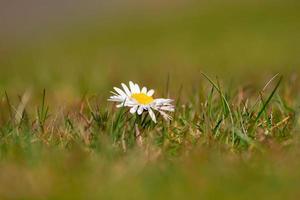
pixel 140 100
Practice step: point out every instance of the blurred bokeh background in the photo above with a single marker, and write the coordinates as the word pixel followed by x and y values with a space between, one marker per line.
pixel 87 46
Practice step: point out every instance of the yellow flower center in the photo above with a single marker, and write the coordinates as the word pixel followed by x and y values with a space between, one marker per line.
pixel 142 98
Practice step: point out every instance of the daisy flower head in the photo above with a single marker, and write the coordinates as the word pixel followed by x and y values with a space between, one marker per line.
pixel 140 99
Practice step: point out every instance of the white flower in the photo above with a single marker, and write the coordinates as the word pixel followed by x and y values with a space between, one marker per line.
pixel 140 100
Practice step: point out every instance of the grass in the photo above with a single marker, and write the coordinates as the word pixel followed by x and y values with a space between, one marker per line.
pixel 217 137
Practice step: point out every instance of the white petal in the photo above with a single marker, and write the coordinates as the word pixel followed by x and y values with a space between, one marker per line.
pixel 130 103
pixel 167 108
pixel 137 88
pixel 150 92
pixel 120 105
pixel 133 109
pixel 132 87
pixel 116 99
pixel 144 90
pixel 118 90
pixel 127 91
pixel 114 93
pixel 140 110
pixel 152 115
pixel 163 101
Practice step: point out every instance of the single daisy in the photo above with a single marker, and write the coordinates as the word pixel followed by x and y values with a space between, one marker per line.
pixel 140 100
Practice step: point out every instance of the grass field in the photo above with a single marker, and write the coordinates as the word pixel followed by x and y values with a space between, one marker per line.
pixel 231 67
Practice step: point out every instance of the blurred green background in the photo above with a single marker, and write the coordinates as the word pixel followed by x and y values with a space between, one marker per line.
pixel 89 46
